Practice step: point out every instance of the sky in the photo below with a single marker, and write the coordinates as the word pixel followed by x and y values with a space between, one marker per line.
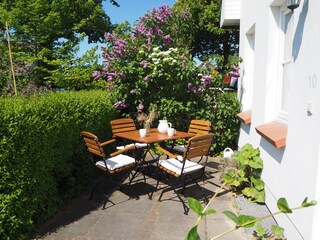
pixel 129 10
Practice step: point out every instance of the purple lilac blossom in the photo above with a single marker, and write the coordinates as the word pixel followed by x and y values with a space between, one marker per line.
pixel 200 89
pixel 144 63
pixel 110 78
pixel 191 88
pixel 162 14
pixel 166 40
pixel 120 105
pixel 147 78
pixel 109 36
pixel 132 37
pixel 206 80
pixel 140 107
pixel 149 40
pixel 96 75
pixel 140 29
pixel 119 47
pixel 185 14
pixel 122 75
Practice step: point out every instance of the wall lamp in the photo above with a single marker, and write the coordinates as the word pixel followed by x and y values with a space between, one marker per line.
pixel 293 4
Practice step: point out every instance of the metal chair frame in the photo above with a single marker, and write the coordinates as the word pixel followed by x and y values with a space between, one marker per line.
pixel 198 146
pixel 98 157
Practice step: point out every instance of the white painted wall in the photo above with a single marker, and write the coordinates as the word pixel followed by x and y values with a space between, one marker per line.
pixel 294 171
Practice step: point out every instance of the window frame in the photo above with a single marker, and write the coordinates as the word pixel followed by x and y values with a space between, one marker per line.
pixel 284 61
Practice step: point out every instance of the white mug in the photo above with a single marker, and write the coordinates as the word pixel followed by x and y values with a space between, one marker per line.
pixel 171 132
pixel 143 132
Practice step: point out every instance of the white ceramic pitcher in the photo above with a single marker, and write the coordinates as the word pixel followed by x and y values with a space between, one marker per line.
pixel 163 126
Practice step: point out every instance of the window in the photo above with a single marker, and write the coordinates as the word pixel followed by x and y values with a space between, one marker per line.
pixel 285 61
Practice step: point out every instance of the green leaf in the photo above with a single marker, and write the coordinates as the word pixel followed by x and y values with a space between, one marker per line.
pixel 283 205
pixel 246 221
pixel 305 203
pixel 260 231
pixel 195 205
pixel 277 231
pixel 232 216
pixel 193 234
pixel 248 192
pixel 258 183
pixel 209 211
pixel 230 180
pixel 256 163
pixel 259 196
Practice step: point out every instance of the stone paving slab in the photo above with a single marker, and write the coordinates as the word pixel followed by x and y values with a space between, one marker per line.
pixel 140 218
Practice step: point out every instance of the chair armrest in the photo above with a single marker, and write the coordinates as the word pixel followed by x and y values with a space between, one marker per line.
pixel 107 142
pixel 171 155
pixel 122 150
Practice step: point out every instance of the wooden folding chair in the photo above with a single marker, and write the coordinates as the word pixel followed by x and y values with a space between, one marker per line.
pixel 124 125
pixel 112 165
pixel 197 127
pixel 186 166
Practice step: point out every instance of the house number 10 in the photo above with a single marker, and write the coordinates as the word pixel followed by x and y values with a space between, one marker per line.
pixel 313 81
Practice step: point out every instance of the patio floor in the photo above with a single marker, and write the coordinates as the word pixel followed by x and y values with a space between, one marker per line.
pixel 140 218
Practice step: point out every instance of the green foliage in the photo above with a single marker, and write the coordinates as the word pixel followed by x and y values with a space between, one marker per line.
pixel 205 34
pixel 46 32
pixel 42 160
pixel 242 221
pixel 245 175
pixel 75 73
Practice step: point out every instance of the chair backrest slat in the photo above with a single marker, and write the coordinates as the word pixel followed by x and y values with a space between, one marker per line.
pixel 198 146
pixel 95 152
pixel 122 125
pixel 199 127
pixel 92 143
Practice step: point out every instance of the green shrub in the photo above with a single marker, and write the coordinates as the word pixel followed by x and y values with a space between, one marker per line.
pixel 243 173
pixel 41 154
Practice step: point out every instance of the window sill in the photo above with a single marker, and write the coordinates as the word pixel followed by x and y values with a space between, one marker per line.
pixel 245 117
pixel 274 132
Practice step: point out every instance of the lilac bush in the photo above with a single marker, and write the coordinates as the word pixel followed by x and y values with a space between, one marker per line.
pixel 145 66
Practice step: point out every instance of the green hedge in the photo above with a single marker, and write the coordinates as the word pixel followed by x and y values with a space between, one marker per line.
pixel 41 154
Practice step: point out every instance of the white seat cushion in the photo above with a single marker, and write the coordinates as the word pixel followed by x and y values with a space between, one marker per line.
pixel 141 145
pixel 180 148
pixel 117 162
pixel 175 165
pixel 138 145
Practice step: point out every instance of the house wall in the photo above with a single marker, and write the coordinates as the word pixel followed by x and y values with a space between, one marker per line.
pixel 292 172
pixel 230 12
